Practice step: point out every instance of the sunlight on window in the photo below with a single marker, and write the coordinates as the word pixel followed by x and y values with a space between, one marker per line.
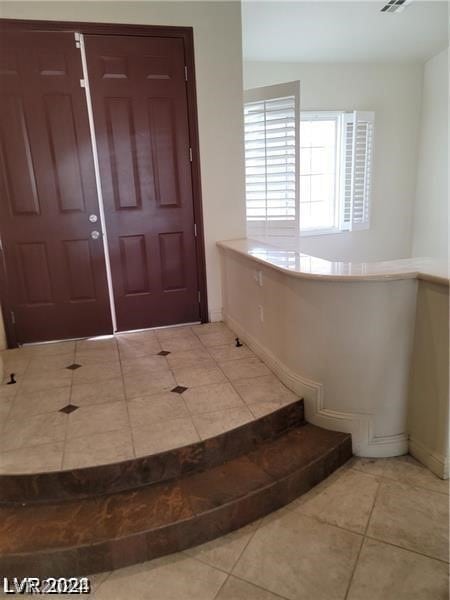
pixel 318 159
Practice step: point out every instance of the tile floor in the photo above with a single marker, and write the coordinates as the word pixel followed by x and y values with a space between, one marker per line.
pixel 98 401
pixel 374 530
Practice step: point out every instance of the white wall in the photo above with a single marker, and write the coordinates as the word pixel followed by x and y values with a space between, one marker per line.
pixel 218 61
pixel 344 346
pixel 431 207
pixel 393 91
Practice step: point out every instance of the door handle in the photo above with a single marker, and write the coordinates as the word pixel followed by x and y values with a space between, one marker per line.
pixel 95 234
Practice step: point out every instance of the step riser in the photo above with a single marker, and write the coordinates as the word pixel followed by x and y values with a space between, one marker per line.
pixel 133 474
pixel 178 536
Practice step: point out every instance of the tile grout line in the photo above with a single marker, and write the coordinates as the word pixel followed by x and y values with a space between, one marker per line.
pixel 411 485
pixel 66 432
pixel 441 560
pixel 352 575
pixel 133 448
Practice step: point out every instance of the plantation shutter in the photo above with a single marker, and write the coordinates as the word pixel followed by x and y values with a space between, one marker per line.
pixel 357 152
pixel 272 124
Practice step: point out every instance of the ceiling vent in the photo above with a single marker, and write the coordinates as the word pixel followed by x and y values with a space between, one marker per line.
pixel 395 6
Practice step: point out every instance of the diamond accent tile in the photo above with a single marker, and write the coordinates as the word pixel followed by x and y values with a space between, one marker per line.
pixel 69 408
pixel 74 366
pixel 163 353
pixel 179 389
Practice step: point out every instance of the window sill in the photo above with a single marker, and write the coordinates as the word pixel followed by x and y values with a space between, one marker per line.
pixel 317 232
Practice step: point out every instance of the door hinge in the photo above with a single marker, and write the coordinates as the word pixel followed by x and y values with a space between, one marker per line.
pixel 77 39
pixel 1 245
pixel 195 229
pixel 185 73
pixel 190 153
pixel 82 83
pixel 13 318
pixel 199 296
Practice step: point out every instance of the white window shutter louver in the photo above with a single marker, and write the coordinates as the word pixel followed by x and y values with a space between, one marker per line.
pixel 357 151
pixel 272 123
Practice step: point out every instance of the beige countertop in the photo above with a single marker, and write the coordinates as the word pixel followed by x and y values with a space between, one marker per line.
pixel 311 267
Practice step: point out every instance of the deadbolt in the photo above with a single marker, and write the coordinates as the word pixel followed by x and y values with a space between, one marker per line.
pixel 95 234
pixel 93 218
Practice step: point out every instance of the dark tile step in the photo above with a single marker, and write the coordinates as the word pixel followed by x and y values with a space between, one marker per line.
pixel 107 532
pixel 138 472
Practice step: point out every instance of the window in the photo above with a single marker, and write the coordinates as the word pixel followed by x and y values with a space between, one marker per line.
pixel 319 170
pixel 306 172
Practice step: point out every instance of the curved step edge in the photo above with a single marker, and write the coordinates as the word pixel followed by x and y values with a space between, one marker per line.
pixel 180 535
pixel 81 483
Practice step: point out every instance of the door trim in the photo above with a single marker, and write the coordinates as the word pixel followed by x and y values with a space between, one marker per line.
pixel 187 35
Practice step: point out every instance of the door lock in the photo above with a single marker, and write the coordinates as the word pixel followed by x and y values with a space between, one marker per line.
pixel 93 218
pixel 95 234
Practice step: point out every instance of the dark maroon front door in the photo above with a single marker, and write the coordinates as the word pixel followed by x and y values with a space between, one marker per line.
pixel 56 278
pixel 140 111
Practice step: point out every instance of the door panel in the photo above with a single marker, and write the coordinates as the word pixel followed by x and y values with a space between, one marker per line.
pixel 139 102
pixel 56 277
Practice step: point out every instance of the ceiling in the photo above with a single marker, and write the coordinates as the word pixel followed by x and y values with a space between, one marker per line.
pixel 316 31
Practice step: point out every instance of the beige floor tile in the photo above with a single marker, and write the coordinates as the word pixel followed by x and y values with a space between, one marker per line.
pixel 98 449
pixel 137 345
pixel 224 551
pixel 14 363
pixel 385 572
pixel 260 409
pixel 158 407
pixel 230 352
pixel 96 344
pixel 144 365
pixel 344 499
pixel 243 369
pixel 411 517
pixel 5 407
pixel 407 469
pixel 8 391
pixel 192 377
pixel 214 423
pixel 217 338
pixel 237 589
pixel 264 389
pixel 137 336
pixel 298 557
pixel 35 459
pixel 175 577
pixel 35 403
pixel 48 363
pixel 370 466
pixel 57 348
pixel 98 418
pixel 44 381
pixel 211 398
pixel 181 343
pixel 207 328
pixel 188 359
pixel 93 373
pixel 94 357
pixel 170 333
pixel 33 431
pixel 164 435
pixel 94 350
pixel 111 390
pixel 152 383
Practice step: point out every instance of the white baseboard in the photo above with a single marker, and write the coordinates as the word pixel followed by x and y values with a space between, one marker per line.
pixel 361 426
pixel 438 463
